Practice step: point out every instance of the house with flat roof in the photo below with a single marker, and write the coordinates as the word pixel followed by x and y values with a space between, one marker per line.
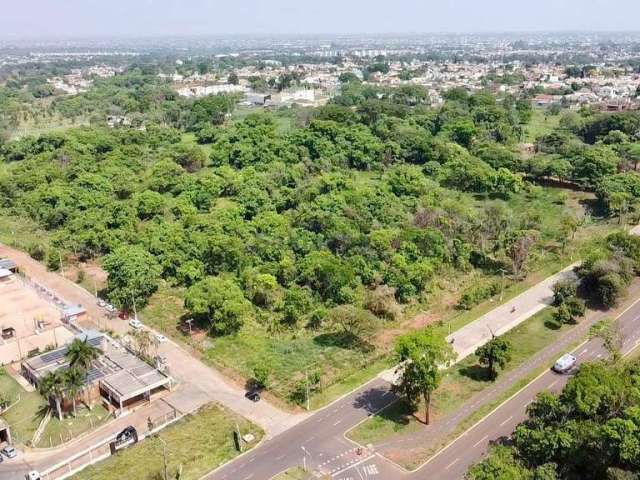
pixel 117 376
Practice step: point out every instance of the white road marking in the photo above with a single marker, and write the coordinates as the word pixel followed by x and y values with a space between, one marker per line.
pixel 507 420
pixel 451 464
pixel 553 383
pixel 337 423
pixel 480 441
pixel 280 457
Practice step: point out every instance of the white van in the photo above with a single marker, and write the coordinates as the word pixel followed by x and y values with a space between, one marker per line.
pixel 565 363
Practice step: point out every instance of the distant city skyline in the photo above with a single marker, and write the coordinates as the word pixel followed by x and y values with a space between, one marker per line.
pixel 99 18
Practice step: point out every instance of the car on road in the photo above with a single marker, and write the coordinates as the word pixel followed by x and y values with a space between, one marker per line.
pixel 9 452
pixel 253 395
pixel 135 324
pixel 565 363
pixel 33 475
pixel 160 338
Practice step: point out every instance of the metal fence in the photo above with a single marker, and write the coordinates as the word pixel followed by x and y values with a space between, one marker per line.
pixel 101 451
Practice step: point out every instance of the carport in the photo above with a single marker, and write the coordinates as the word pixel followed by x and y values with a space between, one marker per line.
pixel 5 433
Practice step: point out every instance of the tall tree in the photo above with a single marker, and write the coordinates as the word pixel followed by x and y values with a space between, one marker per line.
pixel 495 353
pixel 74 379
pixel 422 355
pixel 81 354
pixel 53 387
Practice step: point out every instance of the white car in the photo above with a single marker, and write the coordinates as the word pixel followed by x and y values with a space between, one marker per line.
pixel 9 452
pixel 33 475
pixel 135 324
pixel 160 338
pixel 102 303
pixel 565 363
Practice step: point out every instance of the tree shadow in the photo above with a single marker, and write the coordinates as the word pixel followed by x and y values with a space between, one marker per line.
pixel 373 399
pixel 552 324
pixel 487 264
pixel 477 373
pixel 344 340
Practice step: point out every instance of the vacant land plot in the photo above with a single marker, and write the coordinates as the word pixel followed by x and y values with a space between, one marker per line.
pixel 195 445
pixel 540 124
pixel 35 321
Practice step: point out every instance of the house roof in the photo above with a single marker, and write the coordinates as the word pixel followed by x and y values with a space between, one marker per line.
pixel 4 273
pixel 8 264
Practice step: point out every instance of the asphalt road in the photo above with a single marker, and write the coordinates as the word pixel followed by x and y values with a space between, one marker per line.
pixel 452 462
pixel 319 442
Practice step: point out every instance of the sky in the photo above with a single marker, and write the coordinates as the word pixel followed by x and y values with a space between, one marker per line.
pixel 89 18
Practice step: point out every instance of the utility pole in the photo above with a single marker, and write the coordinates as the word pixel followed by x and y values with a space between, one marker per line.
pixel 306 373
pixel 164 455
pixel 501 283
pixel 135 313
pixel 239 437
pixel 61 267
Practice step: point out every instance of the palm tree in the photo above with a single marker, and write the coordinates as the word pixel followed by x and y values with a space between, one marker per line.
pixel 81 354
pixel 53 386
pixel 74 384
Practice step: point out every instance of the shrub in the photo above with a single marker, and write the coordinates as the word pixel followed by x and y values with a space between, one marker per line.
pixel 37 251
pixel 477 294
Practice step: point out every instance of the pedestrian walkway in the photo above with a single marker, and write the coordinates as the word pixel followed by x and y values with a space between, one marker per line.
pixel 507 316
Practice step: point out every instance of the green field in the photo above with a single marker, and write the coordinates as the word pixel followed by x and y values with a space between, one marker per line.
pixel 460 382
pixel 540 124
pixel 196 445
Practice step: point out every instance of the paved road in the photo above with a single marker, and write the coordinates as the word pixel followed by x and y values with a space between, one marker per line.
pixel 319 440
pixel 453 462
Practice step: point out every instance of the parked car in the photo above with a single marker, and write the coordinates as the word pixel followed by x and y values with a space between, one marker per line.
pixel 253 395
pixel 565 363
pixel 33 475
pixel 160 338
pixel 135 324
pixel 110 308
pixel 126 434
pixel 9 452
pixel 102 303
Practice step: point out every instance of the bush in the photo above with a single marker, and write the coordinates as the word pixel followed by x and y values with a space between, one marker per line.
pixel 476 295
pixel 563 290
pixel 37 251
pixel 53 260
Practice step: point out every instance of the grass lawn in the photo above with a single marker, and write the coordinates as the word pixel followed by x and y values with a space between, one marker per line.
pixel 540 124
pixel 57 432
pixel 295 473
pixel 198 444
pixel 21 232
pixel 460 382
pixel 24 417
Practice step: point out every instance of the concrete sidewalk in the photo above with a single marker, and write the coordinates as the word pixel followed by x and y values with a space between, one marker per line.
pixel 507 316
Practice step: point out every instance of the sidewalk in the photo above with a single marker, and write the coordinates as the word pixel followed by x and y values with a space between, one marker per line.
pixel 507 316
